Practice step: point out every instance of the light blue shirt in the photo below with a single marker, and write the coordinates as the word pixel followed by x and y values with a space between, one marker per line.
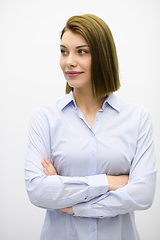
pixel 120 142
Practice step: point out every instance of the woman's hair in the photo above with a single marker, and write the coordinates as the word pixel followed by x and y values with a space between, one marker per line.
pixel 104 65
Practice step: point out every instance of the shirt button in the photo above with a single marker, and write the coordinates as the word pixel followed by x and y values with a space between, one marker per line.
pixel 93 153
pixel 92 173
pixel 93 229
pixel 100 192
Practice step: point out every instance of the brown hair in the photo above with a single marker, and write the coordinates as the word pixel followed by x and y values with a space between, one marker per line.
pixel 104 67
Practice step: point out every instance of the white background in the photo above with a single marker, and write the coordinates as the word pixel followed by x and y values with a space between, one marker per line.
pixel 30 76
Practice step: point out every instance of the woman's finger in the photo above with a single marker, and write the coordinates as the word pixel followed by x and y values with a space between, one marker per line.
pixel 46 171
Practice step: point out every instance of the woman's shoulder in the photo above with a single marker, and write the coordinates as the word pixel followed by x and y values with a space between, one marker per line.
pixel 44 112
pixel 52 110
pixel 133 110
pixel 132 106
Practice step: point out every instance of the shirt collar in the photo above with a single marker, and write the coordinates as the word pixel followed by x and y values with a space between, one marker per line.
pixel 67 100
pixel 110 100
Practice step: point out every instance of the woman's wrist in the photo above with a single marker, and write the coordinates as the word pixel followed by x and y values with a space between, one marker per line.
pixel 116 182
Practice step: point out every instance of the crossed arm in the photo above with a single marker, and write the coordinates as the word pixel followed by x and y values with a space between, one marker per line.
pixel 91 196
pixel 115 182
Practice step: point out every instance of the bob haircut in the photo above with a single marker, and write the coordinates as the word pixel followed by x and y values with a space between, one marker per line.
pixel 104 63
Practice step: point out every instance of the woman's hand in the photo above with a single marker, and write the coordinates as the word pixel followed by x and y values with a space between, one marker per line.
pixel 49 169
pixel 116 182
pixel 68 210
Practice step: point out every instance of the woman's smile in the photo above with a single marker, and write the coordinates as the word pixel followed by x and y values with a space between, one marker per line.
pixel 73 74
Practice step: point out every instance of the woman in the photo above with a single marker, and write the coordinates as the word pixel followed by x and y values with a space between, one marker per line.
pixel 91 159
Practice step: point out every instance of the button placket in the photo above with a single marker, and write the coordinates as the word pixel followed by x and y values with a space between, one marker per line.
pixel 93 171
pixel 93 155
pixel 93 229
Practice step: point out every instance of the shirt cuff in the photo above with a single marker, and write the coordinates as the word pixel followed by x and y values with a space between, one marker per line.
pixel 86 210
pixel 81 209
pixel 98 186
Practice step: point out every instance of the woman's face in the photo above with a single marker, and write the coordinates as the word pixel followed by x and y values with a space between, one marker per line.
pixel 75 60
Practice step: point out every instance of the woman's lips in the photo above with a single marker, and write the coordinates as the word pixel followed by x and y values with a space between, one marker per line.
pixel 73 74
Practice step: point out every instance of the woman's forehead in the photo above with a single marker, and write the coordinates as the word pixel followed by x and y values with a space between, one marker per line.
pixel 73 39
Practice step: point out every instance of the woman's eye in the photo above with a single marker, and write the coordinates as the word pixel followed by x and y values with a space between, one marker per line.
pixel 63 52
pixel 81 51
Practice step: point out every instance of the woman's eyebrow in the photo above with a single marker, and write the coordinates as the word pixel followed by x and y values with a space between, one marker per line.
pixel 82 46
pixel 62 46
pixel 76 47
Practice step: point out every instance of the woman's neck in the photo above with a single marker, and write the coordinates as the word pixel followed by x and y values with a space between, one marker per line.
pixel 86 102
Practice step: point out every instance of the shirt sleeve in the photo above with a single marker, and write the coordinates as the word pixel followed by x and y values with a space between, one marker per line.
pixel 54 192
pixel 138 194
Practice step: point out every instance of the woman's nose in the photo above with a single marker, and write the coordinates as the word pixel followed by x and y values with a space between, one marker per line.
pixel 71 61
